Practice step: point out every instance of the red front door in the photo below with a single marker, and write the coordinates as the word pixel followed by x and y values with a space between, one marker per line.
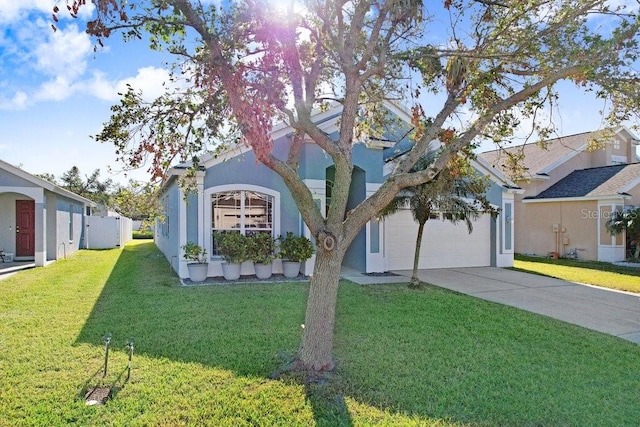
pixel 25 228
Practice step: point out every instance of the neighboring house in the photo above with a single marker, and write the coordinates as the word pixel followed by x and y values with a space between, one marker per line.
pixel 39 221
pixel 571 188
pixel 234 192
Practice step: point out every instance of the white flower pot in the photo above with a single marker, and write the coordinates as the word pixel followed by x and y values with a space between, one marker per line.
pixel 290 269
pixel 231 271
pixel 198 271
pixel 263 271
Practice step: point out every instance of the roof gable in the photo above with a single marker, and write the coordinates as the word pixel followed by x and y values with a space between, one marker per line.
pixel 593 182
pixel 39 182
pixel 395 143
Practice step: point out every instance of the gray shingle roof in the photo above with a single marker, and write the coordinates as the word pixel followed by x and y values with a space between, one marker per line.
pixel 592 182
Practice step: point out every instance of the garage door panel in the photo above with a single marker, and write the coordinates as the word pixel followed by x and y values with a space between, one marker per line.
pixel 443 244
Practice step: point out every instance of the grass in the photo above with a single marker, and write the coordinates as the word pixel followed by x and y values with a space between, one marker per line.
pixel 203 355
pixel 589 272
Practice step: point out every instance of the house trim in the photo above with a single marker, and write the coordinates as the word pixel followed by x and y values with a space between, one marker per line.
pixel 215 263
pixel 562 159
pixel 496 176
pixel 610 252
pixel 578 199
pixel 40 183
pixel 632 184
pixel 375 261
pixel 507 231
pixel 633 139
pixel 36 193
pixel 540 177
pixel 182 232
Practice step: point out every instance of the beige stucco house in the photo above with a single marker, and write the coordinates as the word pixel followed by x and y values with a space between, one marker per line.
pixel 571 187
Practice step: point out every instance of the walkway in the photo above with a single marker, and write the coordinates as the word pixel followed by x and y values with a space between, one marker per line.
pixel 10 268
pixel 612 312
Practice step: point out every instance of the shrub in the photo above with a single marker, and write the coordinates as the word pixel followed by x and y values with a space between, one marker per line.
pixel 143 234
pixel 261 248
pixel 232 246
pixel 193 252
pixel 295 248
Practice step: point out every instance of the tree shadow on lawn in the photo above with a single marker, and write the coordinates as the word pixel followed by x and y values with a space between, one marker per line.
pixel 233 326
pixel 427 355
pixel 249 329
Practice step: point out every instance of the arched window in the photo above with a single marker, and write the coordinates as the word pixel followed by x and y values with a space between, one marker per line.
pixel 244 211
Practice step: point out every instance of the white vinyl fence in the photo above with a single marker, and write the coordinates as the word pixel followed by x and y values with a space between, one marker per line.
pixel 105 232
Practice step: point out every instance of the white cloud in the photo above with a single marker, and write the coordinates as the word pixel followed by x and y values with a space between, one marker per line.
pixel 18 102
pixel 20 99
pixel 43 65
pixel 15 10
pixel 57 89
pixel 628 6
pixel 12 10
pixel 100 87
pixel 64 53
pixel 149 80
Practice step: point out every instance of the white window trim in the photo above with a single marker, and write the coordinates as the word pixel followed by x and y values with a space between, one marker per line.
pixel 618 160
pixel 613 207
pixel 237 187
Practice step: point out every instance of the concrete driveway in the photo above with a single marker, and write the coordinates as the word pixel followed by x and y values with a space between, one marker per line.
pixel 612 312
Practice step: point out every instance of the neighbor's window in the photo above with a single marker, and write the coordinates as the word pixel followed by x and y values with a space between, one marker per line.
pixel 244 211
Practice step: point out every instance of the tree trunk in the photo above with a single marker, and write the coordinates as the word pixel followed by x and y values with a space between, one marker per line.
pixel 415 281
pixel 316 351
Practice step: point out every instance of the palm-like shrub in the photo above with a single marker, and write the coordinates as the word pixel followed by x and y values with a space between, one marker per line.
pixel 629 222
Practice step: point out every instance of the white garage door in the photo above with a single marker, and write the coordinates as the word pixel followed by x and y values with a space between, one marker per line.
pixel 444 244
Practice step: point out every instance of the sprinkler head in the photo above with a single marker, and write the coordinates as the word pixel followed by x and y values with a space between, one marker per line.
pixel 106 338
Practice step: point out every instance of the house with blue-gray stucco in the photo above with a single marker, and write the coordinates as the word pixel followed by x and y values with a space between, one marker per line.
pixel 235 192
pixel 39 221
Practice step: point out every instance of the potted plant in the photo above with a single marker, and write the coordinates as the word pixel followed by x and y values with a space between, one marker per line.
pixel 262 248
pixel 199 264
pixel 233 248
pixel 294 250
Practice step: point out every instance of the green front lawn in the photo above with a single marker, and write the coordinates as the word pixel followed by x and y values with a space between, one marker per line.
pixel 203 355
pixel 590 272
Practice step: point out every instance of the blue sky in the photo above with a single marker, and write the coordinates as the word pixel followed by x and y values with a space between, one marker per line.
pixel 55 91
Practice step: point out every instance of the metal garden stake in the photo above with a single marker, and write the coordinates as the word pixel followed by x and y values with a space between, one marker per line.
pixel 130 350
pixel 106 340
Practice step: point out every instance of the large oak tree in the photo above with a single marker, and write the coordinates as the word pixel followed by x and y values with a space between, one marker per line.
pixel 482 66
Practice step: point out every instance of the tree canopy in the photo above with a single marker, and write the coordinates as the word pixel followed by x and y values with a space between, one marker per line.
pixel 135 200
pixel 467 69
